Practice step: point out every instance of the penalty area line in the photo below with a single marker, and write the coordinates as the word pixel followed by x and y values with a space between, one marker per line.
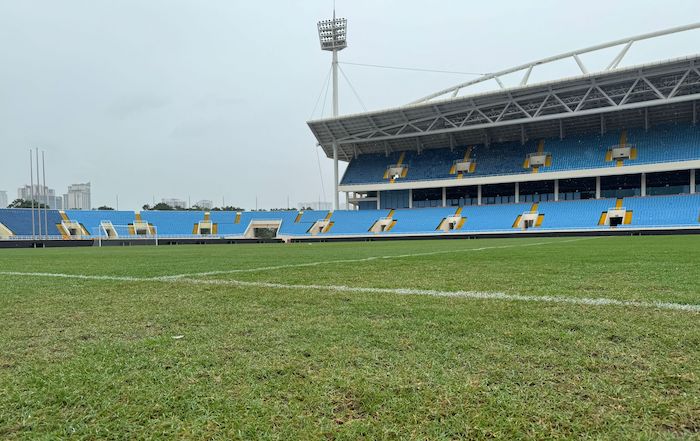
pixel 478 295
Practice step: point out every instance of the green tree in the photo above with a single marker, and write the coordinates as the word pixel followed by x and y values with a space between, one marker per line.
pixel 22 203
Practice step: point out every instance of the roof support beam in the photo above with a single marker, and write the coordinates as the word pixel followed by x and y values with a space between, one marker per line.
pixel 613 64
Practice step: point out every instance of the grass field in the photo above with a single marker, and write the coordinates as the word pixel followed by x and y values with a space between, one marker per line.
pixel 467 339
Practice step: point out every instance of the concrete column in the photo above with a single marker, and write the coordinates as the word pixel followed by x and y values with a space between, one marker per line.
pixel 556 190
pixel 644 184
pixel 444 196
pixel 379 200
pixel 597 187
pixel 410 198
pixel 692 181
pixel 517 192
pixel 478 194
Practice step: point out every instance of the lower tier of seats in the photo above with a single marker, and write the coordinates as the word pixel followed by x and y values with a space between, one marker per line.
pixel 652 212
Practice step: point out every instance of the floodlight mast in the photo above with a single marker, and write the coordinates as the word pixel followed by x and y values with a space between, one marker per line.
pixel 332 36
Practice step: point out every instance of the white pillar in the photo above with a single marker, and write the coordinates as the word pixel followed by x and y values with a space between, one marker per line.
pixel 478 195
pixel 517 192
pixel 410 198
pixel 336 198
pixel 379 200
pixel 556 190
pixel 597 187
pixel 444 196
pixel 692 181
pixel 336 201
pixel 644 184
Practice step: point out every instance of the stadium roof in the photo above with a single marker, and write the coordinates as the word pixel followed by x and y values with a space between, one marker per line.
pixel 617 97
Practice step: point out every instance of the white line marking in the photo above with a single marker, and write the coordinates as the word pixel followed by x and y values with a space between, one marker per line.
pixel 480 295
pixel 371 258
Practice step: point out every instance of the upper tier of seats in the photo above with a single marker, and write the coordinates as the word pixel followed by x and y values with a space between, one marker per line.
pixel 659 144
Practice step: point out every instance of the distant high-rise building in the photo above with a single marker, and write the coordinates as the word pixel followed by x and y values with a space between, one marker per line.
pixel 174 202
pixel 3 199
pixel 42 194
pixel 205 204
pixel 78 197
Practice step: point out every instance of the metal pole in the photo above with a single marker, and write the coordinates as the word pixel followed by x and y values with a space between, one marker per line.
pixel 336 201
pixel 46 194
pixel 38 211
pixel 31 190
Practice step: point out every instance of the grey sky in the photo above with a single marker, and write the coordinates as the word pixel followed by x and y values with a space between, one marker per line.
pixel 204 99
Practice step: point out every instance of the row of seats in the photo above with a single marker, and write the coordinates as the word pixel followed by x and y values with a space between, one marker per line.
pixel 651 211
pixel 19 221
pixel 659 144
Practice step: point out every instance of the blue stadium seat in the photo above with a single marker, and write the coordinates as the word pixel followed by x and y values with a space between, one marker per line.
pixel 659 144
pixel 19 221
pixel 91 219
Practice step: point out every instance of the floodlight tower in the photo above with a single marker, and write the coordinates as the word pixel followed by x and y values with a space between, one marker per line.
pixel 332 35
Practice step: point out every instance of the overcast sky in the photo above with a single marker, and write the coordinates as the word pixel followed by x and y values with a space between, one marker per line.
pixel 205 99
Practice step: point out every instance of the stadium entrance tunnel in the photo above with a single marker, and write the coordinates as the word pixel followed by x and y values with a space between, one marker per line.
pixel 322 225
pixel 452 223
pixel 384 224
pixel 71 229
pixel 618 215
pixel 142 228
pixel 529 219
pixel 108 229
pixel 262 229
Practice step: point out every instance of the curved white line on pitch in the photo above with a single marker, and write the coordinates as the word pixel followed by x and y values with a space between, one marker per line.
pixel 480 295
pixel 371 258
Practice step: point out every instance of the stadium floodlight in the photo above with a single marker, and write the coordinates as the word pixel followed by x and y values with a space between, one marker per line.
pixel 332 35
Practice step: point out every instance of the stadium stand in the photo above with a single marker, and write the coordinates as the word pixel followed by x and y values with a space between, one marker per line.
pixel 658 211
pixel 19 221
pixel 420 220
pixel 666 211
pixel 90 220
pixel 172 222
pixel 660 144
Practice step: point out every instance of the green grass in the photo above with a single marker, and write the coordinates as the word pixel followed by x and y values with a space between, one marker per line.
pixel 92 359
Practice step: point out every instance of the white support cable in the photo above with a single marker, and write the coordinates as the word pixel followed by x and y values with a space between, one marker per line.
pixel 414 69
pixel 342 72
pixel 324 87
pixel 318 160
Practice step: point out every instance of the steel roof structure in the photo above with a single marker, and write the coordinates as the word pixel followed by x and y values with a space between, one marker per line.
pixel 615 97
